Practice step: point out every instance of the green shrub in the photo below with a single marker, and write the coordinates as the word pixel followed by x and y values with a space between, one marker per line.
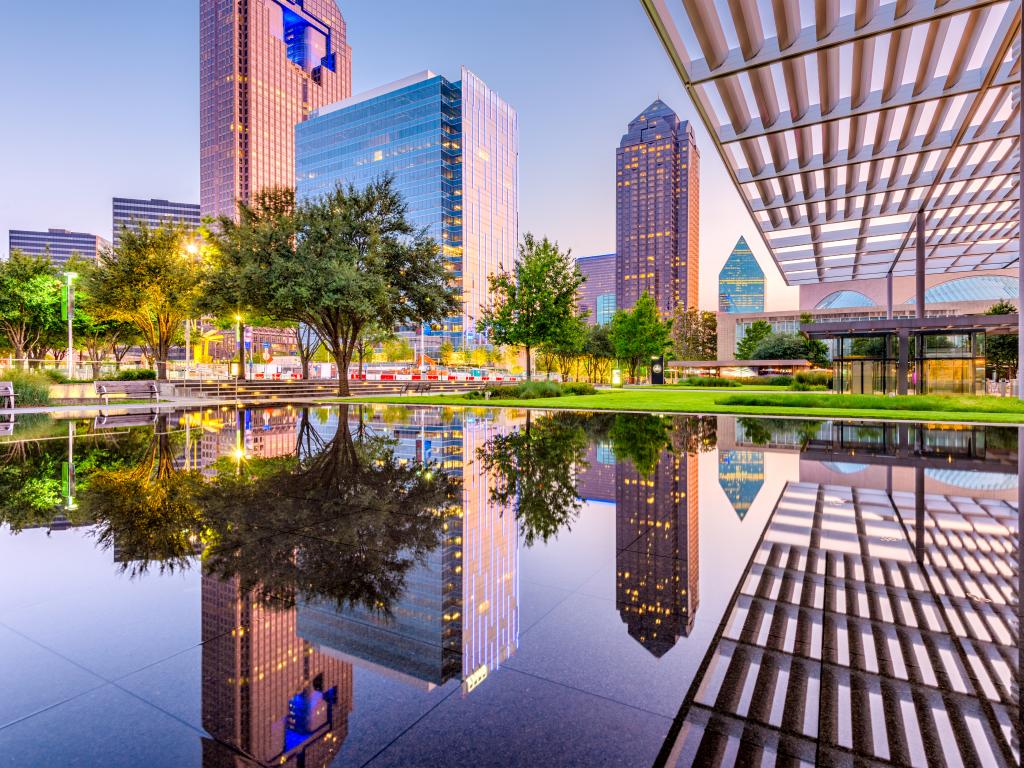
pixel 30 387
pixel 815 378
pixel 778 381
pixel 56 376
pixel 532 390
pixel 709 381
pixel 136 374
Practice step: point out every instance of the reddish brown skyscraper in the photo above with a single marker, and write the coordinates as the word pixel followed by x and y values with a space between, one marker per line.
pixel 263 66
pixel 657 212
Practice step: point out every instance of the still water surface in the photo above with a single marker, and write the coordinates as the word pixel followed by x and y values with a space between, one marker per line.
pixel 394 586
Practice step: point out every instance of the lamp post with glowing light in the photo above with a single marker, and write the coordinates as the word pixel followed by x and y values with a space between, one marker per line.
pixel 241 351
pixel 67 306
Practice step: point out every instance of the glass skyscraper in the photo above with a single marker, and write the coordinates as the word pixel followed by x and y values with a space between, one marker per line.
pixel 657 211
pixel 58 244
pixel 128 212
pixel 597 295
pixel 452 148
pixel 741 281
pixel 263 66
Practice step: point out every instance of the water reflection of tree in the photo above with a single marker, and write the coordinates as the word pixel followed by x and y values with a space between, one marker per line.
pixel 533 472
pixel 641 438
pixel 344 524
pixel 761 431
pixel 30 469
pixel 344 520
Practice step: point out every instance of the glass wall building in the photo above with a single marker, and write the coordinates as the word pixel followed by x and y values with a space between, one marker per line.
pixel 452 148
pixel 128 212
pixel 263 66
pixel 58 244
pixel 657 211
pixel 741 281
pixel 597 294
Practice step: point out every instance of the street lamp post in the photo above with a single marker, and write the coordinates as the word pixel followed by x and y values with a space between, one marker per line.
pixel 68 310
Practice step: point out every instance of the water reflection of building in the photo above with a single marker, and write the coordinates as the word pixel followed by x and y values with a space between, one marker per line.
pixel 869 628
pixel 267 693
pixel 741 475
pixel 264 433
pixel 459 613
pixel 595 480
pixel 657 562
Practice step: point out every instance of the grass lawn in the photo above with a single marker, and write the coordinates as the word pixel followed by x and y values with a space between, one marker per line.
pixel 806 404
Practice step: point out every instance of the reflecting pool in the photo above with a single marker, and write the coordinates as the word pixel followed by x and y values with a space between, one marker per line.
pixel 390 586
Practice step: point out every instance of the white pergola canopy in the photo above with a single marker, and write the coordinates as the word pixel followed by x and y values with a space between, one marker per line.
pixel 841 120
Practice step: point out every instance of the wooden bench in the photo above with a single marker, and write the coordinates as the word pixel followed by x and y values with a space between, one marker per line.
pixel 130 389
pixel 416 387
pixel 125 420
pixel 7 394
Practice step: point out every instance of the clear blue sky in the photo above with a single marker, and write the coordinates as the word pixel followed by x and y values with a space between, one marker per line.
pixel 105 104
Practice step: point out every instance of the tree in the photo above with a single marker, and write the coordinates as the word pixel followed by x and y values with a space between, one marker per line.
pixel 756 332
pixel 639 334
pixel 1001 351
pixel 780 346
pixel 398 350
pixel 29 301
pixel 444 354
pixel 598 352
pixel 372 336
pixel 532 303
pixel 150 281
pixel 566 347
pixel 816 350
pixel 694 334
pixel 478 357
pixel 336 263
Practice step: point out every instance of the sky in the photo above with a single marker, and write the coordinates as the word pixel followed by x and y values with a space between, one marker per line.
pixel 110 107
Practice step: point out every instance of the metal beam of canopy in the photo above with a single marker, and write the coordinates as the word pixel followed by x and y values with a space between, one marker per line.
pixel 866 138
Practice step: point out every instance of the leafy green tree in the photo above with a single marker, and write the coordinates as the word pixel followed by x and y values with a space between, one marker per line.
pixel 816 350
pixel 444 354
pixel 29 301
pixel 756 332
pixel 598 353
pixel 478 357
pixel 1001 351
pixel 780 346
pixel 337 263
pixel 151 282
pixel 532 304
pixel 566 348
pixel 639 334
pixel 694 334
pixel 398 350
pixel 533 472
pixel 372 336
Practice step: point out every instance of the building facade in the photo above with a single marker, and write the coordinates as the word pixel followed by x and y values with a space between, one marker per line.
pixel 597 295
pixel 58 244
pixel 129 212
pixel 741 285
pixel 657 211
pixel 452 148
pixel 264 65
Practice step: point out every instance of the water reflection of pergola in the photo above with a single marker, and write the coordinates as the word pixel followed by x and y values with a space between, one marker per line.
pixel 867 140
pixel 863 632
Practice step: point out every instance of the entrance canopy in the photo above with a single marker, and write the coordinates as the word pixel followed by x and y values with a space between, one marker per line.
pixel 840 121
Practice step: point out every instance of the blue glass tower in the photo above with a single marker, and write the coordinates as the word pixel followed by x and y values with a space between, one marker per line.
pixel 452 149
pixel 741 282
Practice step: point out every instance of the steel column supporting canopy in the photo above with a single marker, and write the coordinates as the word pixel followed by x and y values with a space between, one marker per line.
pixel 840 121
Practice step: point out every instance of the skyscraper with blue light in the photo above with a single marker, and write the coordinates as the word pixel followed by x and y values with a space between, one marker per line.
pixel 597 294
pixel 741 281
pixel 452 148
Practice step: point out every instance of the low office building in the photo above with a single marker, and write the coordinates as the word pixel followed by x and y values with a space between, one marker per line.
pixel 130 212
pixel 59 244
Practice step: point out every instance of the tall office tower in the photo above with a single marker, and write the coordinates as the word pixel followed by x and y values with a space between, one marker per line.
pixel 264 65
pixel 657 211
pixel 266 691
pixel 129 212
pixel 453 149
pixel 58 244
pixel 597 294
pixel 741 281
pixel 656 538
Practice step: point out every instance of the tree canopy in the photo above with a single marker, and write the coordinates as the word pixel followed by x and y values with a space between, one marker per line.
pixel 29 302
pixel 336 263
pixel 1002 350
pixel 756 332
pixel 694 334
pixel 639 334
pixel 535 303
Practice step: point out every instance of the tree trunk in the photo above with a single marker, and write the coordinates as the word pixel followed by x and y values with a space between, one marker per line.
pixel 529 374
pixel 341 361
pixel 305 366
pixel 161 360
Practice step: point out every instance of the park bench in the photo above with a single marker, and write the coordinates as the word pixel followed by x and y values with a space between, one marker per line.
pixel 7 394
pixel 415 387
pixel 125 420
pixel 130 389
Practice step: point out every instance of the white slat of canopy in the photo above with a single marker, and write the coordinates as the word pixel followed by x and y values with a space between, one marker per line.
pixel 840 120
